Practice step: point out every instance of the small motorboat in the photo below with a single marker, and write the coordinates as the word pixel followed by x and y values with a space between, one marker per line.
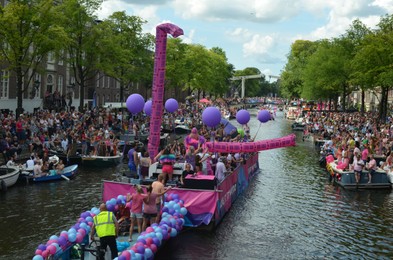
pixel 66 174
pixel 102 161
pixel 67 160
pixel 8 176
pixel 182 129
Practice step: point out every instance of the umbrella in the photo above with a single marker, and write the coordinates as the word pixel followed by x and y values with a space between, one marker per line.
pixel 204 100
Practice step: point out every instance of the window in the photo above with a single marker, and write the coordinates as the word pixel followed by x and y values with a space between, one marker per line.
pixel 50 57
pixel 36 86
pixel 49 83
pixel 61 55
pixel 4 83
pixel 117 97
pixel 60 84
pixel 108 81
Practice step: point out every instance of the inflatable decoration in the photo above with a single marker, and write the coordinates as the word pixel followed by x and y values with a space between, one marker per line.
pixel 147 108
pixel 249 147
pixel 148 242
pixel 194 139
pixel 135 103
pixel 264 116
pixel 158 83
pixel 171 105
pixel 242 116
pixel 211 116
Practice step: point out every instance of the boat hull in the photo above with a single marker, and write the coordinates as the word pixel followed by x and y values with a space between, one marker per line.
pixel 68 172
pixel 206 208
pixel 102 161
pixel 346 179
pixel 181 130
pixel 8 175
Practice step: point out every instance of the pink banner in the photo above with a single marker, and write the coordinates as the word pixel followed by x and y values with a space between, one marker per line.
pixel 114 189
pixel 231 147
pixel 233 185
pixel 196 202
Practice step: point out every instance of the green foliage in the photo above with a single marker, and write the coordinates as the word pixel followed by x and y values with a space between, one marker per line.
pixel 28 32
pixel 84 48
pixel 126 51
pixel 291 84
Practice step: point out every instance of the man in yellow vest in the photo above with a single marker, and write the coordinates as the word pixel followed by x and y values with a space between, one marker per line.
pixel 107 228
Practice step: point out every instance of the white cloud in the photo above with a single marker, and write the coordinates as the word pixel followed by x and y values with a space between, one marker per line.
pixel 385 4
pixel 239 34
pixel 261 49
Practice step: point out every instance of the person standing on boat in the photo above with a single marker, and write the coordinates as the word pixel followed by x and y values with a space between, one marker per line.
pixel 133 160
pixel 145 163
pixel 158 187
pixel 371 166
pixel 167 159
pixel 150 211
pixel 357 167
pixel 136 209
pixel 107 229
pixel 220 169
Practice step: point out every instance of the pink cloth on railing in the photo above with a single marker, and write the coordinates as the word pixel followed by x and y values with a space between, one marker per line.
pixel 200 177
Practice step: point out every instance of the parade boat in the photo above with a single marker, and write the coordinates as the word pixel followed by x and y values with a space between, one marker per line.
pixel 102 161
pixel 8 176
pixel 206 200
pixel 346 179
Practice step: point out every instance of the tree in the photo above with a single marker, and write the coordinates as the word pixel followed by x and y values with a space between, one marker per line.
pixel 28 32
pixel 355 35
pixel 373 61
pixel 85 48
pixel 291 78
pixel 327 72
pixel 127 54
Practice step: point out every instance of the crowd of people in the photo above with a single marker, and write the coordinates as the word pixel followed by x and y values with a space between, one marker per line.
pixel 356 140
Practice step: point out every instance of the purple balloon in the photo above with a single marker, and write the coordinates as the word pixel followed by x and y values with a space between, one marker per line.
pixel 141 250
pixel 211 116
pixel 42 247
pixel 147 107
pixel 171 105
pixel 242 116
pixel 135 103
pixel 62 241
pixel 264 116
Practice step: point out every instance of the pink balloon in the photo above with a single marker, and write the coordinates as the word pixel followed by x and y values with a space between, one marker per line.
pixel 79 238
pixel 38 252
pixel 51 249
pixel 45 253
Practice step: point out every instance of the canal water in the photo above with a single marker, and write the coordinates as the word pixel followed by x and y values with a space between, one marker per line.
pixel 290 211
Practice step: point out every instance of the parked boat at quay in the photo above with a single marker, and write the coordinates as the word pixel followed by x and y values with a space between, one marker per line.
pixel 8 176
pixel 102 161
pixel 346 179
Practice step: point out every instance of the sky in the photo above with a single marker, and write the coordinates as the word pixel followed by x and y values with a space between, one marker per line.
pixel 253 33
